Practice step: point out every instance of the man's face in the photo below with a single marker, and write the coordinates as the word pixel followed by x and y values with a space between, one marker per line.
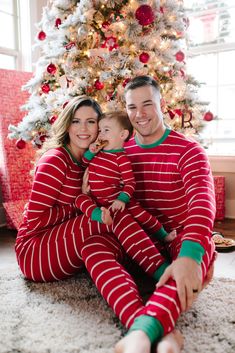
pixel 144 111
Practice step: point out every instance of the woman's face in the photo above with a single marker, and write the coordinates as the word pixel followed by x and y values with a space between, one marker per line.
pixel 83 130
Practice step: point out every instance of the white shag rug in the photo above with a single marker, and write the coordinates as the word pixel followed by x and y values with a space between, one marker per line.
pixel 71 317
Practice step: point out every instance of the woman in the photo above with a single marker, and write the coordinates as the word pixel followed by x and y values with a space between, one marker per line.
pixel 54 240
pixel 47 244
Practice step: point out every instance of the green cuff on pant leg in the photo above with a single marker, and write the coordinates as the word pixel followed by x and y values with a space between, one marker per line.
pixel 149 325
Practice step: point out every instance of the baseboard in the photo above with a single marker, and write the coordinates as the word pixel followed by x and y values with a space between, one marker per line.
pixel 230 209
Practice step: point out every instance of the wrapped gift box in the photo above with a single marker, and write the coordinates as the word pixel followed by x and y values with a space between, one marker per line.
pixel 15 164
pixel 219 182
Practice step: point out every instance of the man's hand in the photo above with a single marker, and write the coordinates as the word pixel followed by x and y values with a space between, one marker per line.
pixel 188 276
pixel 118 205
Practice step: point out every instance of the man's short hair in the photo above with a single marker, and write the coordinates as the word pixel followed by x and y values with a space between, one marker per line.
pixel 141 81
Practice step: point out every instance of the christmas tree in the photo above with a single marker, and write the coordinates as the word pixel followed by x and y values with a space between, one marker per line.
pixel 95 47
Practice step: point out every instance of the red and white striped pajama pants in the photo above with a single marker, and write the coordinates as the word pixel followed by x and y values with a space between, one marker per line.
pixel 55 253
pixel 120 291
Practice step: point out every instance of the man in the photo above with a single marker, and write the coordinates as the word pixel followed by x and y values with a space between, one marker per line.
pixel 174 183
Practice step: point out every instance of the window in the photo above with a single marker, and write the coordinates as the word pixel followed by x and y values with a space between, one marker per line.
pixel 15 41
pixel 211 60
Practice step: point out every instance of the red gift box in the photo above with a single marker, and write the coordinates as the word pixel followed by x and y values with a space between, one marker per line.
pixel 219 183
pixel 15 164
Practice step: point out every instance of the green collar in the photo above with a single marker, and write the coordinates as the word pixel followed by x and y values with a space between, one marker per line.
pixel 157 143
pixel 114 151
pixel 73 158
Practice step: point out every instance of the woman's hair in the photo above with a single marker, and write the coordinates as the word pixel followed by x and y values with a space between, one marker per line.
pixel 122 119
pixel 59 131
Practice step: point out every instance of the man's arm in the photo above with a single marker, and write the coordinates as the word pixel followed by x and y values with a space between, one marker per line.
pixel 198 183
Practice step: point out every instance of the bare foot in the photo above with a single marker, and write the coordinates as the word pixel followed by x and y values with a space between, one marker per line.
pixel 171 343
pixel 135 342
pixel 171 236
pixel 106 217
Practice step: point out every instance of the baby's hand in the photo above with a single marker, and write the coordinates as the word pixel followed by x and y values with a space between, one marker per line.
pixel 106 217
pixel 118 205
pixel 97 146
pixel 171 236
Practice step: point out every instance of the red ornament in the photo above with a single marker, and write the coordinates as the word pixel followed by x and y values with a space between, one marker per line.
pixel 42 138
pixel 179 56
pixel 208 116
pixel 51 69
pixel 89 89
pixel 171 113
pixel 178 112
pixel 105 24
pixel 58 22
pixel 64 105
pixel 45 88
pixel 52 119
pixel 42 35
pixel 98 85
pixel 145 15
pixel 110 43
pixel 20 144
pixel 144 57
pixel 125 82
pixel 70 45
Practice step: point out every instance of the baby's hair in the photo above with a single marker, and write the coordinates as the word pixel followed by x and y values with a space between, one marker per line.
pixel 122 119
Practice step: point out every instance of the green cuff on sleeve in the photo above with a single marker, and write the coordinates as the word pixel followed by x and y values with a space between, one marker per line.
pixel 160 234
pixel 89 155
pixel 123 197
pixel 96 215
pixel 193 250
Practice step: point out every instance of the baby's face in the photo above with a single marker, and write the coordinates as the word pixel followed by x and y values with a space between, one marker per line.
pixel 111 131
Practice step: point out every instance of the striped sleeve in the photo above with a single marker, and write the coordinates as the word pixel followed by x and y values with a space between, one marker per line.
pixel 127 175
pixel 199 189
pixel 43 208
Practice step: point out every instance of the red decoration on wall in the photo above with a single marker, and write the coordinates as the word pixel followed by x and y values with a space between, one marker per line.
pixel 145 15
pixel 219 183
pixel 15 164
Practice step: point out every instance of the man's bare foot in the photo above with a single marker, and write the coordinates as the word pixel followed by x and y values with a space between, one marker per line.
pixel 171 343
pixel 106 217
pixel 135 342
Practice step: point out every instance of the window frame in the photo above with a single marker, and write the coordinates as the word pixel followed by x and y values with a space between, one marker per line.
pixel 207 49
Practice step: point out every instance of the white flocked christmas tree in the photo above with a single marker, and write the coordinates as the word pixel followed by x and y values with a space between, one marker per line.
pixel 95 47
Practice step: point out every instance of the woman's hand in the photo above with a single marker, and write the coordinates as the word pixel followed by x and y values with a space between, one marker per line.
pixel 85 183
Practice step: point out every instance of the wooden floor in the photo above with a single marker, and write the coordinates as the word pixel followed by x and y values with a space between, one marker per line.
pixel 226 227
pixel 224 267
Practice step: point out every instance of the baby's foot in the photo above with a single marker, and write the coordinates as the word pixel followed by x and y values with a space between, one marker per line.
pixel 171 343
pixel 135 342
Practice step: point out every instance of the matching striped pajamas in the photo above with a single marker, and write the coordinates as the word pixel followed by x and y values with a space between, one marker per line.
pixel 174 183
